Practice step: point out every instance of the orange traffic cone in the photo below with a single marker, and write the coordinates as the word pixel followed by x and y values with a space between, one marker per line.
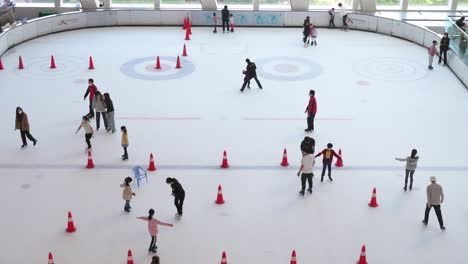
pixel 185 23
pixel 151 166
pixel 1 64
pixel 187 34
pixel 339 162
pixel 20 63
pixel 362 258
pixel 178 66
pixel 52 62
pixel 158 64
pixel 293 257
pixel 70 226
pixel 373 201
pixel 184 52
pixel 225 164
pixel 219 199
pixel 51 259
pixel 91 63
pixel 90 164
pixel 129 257
pixel 285 162
pixel 223 258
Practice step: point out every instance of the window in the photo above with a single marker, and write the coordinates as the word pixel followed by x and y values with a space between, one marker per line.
pixel 395 4
pixel 235 3
pixel 330 3
pixel 275 4
pixel 131 3
pixel 36 2
pixel 428 4
pixel 463 3
pixel 179 3
pixel 74 3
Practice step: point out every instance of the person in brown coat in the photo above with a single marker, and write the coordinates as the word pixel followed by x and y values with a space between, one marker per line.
pixel 22 124
pixel 155 260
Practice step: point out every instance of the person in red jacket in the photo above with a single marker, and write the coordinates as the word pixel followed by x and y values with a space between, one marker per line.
pixel 311 110
pixel 91 90
pixel 327 160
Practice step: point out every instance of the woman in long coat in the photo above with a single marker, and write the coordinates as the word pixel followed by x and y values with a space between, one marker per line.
pixel 22 124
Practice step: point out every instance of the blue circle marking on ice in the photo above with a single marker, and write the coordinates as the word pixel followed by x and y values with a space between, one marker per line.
pixel 287 68
pixel 148 72
pixel 390 69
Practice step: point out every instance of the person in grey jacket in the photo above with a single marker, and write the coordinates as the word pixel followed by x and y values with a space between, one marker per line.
pixel 100 107
pixel 435 197
pixel 411 164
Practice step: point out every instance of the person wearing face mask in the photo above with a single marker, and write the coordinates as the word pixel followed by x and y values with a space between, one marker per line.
pixel 444 47
pixel 22 124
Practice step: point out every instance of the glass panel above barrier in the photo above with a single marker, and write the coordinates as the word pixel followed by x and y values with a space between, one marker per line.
pixel 458 38
pixel 428 5
pixel 327 4
pixel 236 4
pixel 462 5
pixel 38 3
pixel 388 4
pixel 129 3
pixel 181 2
pixel 275 4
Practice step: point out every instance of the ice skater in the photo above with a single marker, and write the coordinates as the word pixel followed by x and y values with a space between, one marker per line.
pixel 22 124
pixel 153 229
pixel 435 197
pixel 110 113
pixel 344 16
pixel 123 129
pixel 214 18
pixel 86 125
pixel 306 30
pixel 306 171
pixel 411 164
pixel 231 22
pixel 308 145
pixel 100 108
pixel 250 73
pixel 225 18
pixel 313 33
pixel 90 91
pixel 444 47
pixel 179 194
pixel 432 50
pixel 127 193
pixel 311 111
pixel 331 22
pixel 155 260
pixel 327 160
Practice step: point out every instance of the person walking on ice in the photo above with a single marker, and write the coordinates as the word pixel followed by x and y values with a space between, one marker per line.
pixel 153 228
pixel 411 164
pixel 127 193
pixel 179 194
pixel 22 124
pixel 435 197
pixel 311 110
pixel 327 160
pixel 88 131
pixel 306 171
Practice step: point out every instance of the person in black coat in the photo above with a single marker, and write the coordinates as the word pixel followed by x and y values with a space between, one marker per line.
pixel 444 47
pixel 225 17
pixel 308 145
pixel 178 192
pixel 306 29
pixel 250 72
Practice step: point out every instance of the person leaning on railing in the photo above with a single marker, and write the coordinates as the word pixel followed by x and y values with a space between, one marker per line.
pixel 460 23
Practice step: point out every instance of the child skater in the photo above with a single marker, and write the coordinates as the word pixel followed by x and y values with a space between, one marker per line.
pixel 127 193
pixel 153 228
pixel 432 50
pixel 86 125
pixel 215 22
pixel 124 142
pixel 327 160
pixel 411 164
pixel 231 22
pixel 306 173
pixel 313 34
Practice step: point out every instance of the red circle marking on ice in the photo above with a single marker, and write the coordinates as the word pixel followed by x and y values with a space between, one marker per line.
pixel 286 68
pixel 151 68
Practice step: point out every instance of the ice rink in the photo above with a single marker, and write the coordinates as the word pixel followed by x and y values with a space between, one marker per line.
pixel 376 101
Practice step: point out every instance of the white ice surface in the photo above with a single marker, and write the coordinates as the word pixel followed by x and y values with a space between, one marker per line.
pixel 264 218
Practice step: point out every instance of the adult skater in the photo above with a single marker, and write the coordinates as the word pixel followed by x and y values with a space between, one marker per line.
pixel 155 260
pixel 22 123
pixel 250 72
pixel 308 145
pixel 100 107
pixel 90 91
pixel 435 197
pixel 153 229
pixel 327 160
pixel 306 30
pixel 411 164
pixel 225 18
pixel 444 47
pixel 110 113
pixel 86 125
pixel 179 194
pixel 311 110
pixel 306 171
pixel 344 16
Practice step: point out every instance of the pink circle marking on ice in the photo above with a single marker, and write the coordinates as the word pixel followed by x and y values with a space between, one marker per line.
pixel 152 68
pixel 363 83
pixel 286 68
pixel 81 81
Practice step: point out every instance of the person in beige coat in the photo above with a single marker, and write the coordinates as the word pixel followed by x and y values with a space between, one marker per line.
pixel 435 197
pixel 127 193
pixel 22 124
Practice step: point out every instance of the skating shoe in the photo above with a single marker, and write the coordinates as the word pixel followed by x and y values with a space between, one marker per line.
pixel 34 142
pixel 411 188
pixel 330 178
pixel 25 145
pixel 442 227
pixel 404 188
pixel 241 90
pixel 424 222
pixel 307 130
pixel 309 190
pixel 301 192
pixel 125 157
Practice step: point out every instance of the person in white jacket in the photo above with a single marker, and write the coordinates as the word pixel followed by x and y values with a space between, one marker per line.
pixel 344 15
pixel 411 164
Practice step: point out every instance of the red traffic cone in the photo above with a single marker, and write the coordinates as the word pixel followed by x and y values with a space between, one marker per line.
pixel 91 63
pixel 178 66
pixel 151 166
pixel 339 162
pixel 20 63
pixel 51 259
pixel 189 26
pixel 90 164
pixel 225 164
pixel 129 257
pixel 187 34
pixel 1 64
pixel 219 199
pixel 70 226
pixel 52 62
pixel 185 24
pixel 158 64
pixel 223 258
pixel 285 162
pixel 293 257
pixel 362 258
pixel 184 52
pixel 373 201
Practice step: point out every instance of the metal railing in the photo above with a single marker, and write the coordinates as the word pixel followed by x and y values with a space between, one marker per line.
pixel 458 39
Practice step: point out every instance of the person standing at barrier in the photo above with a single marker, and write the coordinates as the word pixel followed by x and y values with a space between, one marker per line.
pixel 344 16
pixel 306 30
pixel 432 50
pixel 435 197
pixel 331 13
pixel 444 47
pixel 225 18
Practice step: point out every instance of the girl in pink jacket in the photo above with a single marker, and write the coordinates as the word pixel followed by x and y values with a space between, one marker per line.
pixel 153 228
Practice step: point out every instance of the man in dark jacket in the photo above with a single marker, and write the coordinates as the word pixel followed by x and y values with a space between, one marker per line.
pixel 90 91
pixel 178 192
pixel 444 47
pixel 250 72
pixel 306 30
pixel 225 17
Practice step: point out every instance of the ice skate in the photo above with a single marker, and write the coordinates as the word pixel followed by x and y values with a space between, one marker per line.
pixel 34 142
pixel 309 190
pixel 301 193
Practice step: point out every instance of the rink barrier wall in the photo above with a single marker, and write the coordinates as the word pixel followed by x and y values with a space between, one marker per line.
pixel 109 18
